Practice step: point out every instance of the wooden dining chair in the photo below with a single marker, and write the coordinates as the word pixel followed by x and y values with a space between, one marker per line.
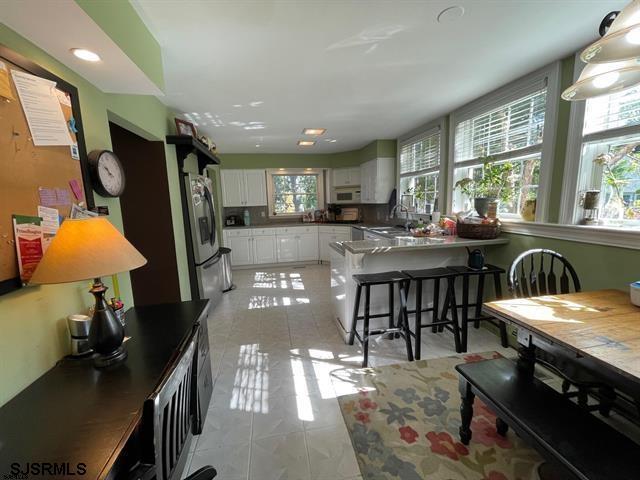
pixel 535 272
pixel 539 272
pixel 167 421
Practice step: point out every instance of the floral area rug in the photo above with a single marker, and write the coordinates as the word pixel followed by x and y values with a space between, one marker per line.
pixel 404 421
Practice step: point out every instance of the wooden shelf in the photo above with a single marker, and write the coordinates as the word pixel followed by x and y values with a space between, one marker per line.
pixel 186 145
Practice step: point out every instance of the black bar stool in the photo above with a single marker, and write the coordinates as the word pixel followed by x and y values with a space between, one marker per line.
pixel 466 273
pixel 367 280
pixel 439 321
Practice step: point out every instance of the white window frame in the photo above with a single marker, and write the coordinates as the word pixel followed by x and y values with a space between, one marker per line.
pixel 435 126
pixel 573 177
pixel 550 75
pixel 292 171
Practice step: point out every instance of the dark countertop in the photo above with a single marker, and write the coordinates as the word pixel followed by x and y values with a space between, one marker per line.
pixel 294 224
pixel 75 413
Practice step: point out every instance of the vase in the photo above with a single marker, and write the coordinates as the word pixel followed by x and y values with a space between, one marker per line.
pixel 614 208
pixel 481 204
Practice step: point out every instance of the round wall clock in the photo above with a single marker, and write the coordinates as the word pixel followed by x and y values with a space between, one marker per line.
pixel 107 174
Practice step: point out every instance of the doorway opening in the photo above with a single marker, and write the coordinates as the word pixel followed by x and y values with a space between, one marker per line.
pixel 146 216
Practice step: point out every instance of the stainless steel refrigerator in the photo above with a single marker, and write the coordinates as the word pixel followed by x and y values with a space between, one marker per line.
pixel 204 240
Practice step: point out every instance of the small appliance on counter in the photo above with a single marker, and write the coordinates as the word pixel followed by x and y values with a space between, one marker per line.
pixel 348 214
pixel 79 326
pixel 233 221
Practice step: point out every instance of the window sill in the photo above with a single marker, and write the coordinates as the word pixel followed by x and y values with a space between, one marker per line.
pixel 612 237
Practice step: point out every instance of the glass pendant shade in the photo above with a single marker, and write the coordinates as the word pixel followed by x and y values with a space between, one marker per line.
pixel 604 79
pixel 622 40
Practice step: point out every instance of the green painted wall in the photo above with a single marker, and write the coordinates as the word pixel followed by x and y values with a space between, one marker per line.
pixel 377 148
pixel 562 131
pixel 598 266
pixel 119 20
pixel 33 320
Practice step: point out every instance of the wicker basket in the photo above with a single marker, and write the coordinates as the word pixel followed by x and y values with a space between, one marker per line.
pixel 479 231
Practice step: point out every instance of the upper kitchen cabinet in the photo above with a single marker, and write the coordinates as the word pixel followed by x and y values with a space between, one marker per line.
pixel 346 177
pixel 377 178
pixel 244 188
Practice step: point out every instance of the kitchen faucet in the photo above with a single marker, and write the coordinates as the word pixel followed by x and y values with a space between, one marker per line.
pixel 402 208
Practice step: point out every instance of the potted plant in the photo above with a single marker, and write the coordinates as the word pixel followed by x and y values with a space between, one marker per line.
pixel 496 184
pixel 420 196
pixel 618 167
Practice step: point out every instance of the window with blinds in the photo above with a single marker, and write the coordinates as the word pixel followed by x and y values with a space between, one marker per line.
pixel 421 154
pixel 622 109
pixel 513 126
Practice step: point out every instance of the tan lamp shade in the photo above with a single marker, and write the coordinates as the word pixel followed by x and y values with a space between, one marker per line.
pixel 84 249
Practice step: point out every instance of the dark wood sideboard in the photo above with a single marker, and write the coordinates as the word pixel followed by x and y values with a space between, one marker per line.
pixel 79 422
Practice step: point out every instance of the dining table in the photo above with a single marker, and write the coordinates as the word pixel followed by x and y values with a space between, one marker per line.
pixel 599 330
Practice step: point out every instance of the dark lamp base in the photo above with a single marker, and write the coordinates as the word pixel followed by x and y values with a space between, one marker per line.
pixel 106 333
pixel 103 361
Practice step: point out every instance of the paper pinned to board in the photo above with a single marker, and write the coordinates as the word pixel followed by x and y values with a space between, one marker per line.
pixel 47 196
pixel 28 235
pixel 42 110
pixel 50 224
pixel 5 84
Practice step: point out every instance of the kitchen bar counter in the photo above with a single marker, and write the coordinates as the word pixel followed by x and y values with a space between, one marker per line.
pixel 391 250
pixel 409 243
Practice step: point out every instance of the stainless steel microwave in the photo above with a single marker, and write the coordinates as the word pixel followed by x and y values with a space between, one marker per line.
pixel 346 195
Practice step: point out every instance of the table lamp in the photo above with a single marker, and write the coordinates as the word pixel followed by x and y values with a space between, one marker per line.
pixel 85 249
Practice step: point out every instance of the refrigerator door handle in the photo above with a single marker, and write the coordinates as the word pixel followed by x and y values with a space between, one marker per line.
pixel 209 200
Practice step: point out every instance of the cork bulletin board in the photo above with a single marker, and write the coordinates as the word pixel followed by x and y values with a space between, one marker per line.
pixel 33 175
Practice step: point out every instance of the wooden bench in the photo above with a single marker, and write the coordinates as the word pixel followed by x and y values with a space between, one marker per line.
pixel 559 429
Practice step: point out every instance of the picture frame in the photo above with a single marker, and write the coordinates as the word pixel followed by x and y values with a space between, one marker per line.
pixel 186 128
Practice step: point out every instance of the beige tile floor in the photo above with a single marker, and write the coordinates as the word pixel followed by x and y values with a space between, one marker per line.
pixel 274 413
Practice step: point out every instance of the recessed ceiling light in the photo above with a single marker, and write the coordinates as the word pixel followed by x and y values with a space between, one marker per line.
pixel 86 55
pixel 330 140
pixel 314 131
pixel 257 145
pixel 450 14
pixel 306 143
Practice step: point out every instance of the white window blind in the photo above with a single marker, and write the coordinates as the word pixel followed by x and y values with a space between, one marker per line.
pixel 420 154
pixel 512 126
pixel 618 110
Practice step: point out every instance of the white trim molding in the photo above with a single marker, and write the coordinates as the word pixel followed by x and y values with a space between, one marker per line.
pixel 610 237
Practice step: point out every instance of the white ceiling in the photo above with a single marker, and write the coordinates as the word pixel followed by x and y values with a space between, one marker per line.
pixel 58 26
pixel 258 72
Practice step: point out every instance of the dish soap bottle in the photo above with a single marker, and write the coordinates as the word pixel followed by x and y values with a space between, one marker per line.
pixel 247 218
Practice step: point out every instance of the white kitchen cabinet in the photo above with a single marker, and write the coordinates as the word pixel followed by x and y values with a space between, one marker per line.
pixel 329 234
pixel 256 188
pixel 377 178
pixel 241 250
pixel 346 177
pixel 232 188
pixel 264 249
pixel 307 246
pixel 324 239
pixel 287 246
pixel 243 188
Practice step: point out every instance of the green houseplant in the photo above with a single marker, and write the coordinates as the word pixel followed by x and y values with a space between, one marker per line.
pixel 497 183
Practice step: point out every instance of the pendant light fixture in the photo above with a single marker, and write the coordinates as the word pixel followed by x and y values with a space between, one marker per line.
pixel 620 41
pixel 604 78
pixel 613 62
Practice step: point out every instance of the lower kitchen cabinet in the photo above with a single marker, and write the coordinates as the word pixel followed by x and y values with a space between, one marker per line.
pixel 269 245
pixel 326 238
pixel 308 246
pixel 287 248
pixel 264 249
pixel 241 250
